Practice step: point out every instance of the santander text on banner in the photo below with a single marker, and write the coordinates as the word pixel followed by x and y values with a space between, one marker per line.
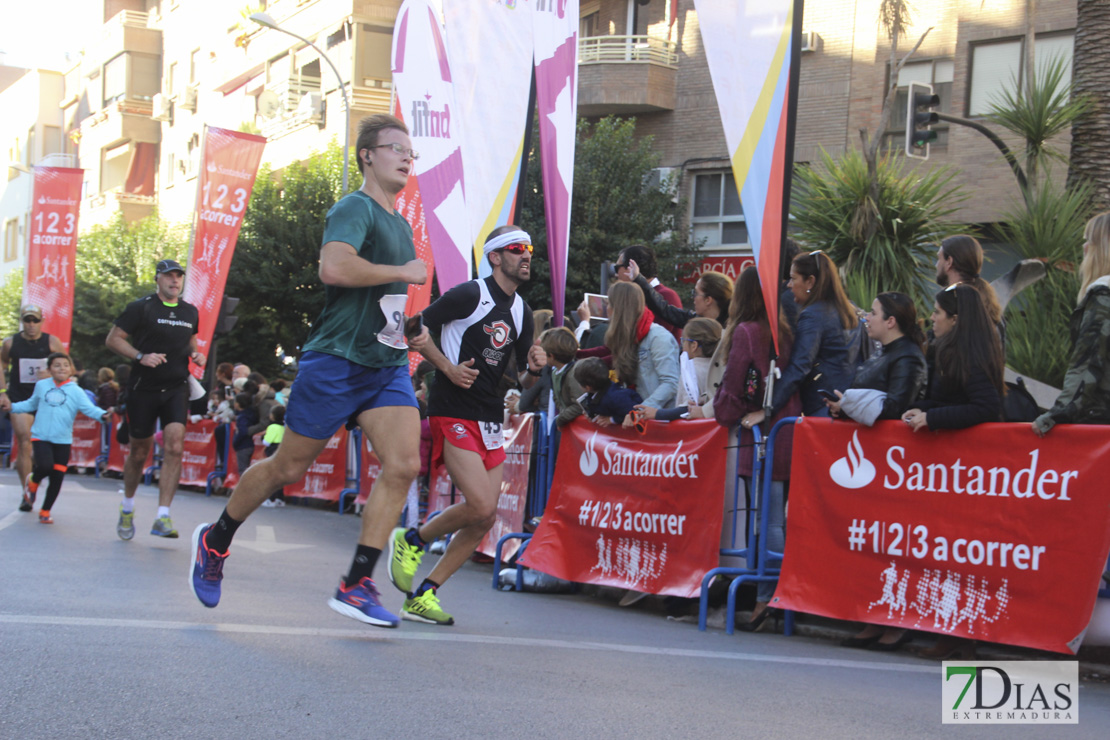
pixel 990 533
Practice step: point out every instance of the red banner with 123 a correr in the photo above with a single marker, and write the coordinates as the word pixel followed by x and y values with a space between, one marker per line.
pixel 636 511
pixel 988 533
pixel 52 248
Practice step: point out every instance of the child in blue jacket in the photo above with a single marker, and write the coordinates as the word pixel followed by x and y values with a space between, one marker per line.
pixel 55 404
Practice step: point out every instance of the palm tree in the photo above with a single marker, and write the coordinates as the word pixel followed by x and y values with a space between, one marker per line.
pixel 1090 143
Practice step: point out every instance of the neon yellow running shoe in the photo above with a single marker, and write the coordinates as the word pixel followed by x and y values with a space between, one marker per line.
pixel 125 528
pixel 404 559
pixel 425 608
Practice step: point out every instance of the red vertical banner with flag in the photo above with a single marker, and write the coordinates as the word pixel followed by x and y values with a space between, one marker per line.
pixel 48 281
pixel 229 166
pixel 411 207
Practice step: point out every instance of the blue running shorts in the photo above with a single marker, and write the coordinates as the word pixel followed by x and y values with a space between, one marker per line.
pixel 330 391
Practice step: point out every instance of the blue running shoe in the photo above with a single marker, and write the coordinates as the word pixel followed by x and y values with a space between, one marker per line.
pixel 207 569
pixel 362 602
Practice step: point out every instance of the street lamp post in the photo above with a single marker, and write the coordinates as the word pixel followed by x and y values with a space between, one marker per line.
pixel 264 19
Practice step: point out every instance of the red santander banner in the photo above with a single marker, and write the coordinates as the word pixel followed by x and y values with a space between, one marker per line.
pixel 989 533
pixel 48 281
pixel 229 166
pixel 88 436
pixel 514 486
pixel 635 511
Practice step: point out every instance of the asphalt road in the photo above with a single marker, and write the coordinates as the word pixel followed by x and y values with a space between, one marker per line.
pixel 101 638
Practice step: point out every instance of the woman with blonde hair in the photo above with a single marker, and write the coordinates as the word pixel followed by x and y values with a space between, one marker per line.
pixel 1085 397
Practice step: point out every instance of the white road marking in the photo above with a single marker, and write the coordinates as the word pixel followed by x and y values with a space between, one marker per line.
pixel 12 518
pixel 383 635
pixel 266 542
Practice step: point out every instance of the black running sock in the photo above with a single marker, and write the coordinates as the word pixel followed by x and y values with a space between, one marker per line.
pixel 425 585
pixel 412 536
pixel 219 536
pixel 363 565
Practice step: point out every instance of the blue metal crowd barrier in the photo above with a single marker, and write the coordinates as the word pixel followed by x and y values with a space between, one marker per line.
pixel 353 491
pixel 220 471
pixel 547 447
pixel 756 549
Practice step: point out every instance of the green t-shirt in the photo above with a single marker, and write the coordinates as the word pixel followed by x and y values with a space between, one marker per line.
pixel 352 317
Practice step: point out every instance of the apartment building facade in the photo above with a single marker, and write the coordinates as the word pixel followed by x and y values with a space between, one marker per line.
pixel 158 71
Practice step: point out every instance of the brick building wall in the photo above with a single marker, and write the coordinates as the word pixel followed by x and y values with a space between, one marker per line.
pixel 842 85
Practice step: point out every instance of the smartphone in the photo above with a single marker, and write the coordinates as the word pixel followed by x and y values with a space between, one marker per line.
pixel 827 394
pixel 229 391
pixel 414 326
pixel 598 305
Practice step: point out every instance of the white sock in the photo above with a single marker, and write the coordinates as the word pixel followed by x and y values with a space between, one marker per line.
pixel 128 505
pixel 163 511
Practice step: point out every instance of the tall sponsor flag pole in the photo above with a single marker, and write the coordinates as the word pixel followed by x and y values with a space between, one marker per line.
pixel 555 34
pixel 746 41
pixel 492 95
pixel 52 247
pixel 229 165
pixel 425 90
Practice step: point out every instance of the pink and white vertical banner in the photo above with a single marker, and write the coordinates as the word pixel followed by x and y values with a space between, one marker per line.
pixel 555 34
pixel 423 81
pixel 228 168
pixel 489 43
pixel 48 280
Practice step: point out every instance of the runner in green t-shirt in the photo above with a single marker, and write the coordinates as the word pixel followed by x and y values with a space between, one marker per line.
pixel 353 370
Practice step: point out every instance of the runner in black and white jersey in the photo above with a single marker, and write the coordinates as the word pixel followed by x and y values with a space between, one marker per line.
pixel 483 324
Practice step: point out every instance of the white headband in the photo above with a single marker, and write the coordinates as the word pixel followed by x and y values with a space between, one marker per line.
pixel 504 240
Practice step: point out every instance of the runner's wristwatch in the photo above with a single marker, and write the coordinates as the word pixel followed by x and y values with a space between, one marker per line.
pixel 139 357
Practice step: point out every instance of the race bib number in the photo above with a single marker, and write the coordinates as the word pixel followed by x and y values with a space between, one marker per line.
pixel 393 307
pixel 492 436
pixel 29 368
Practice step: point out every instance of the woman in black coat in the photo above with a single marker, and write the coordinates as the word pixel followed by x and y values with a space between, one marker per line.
pixel 966 370
pixel 898 373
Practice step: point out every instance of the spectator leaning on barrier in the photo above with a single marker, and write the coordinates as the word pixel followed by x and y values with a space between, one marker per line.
pixel 747 347
pixel 887 385
pixel 966 365
pixel 560 345
pixel 698 343
pixel 644 354
pixel 607 402
pixel 825 340
pixel 1085 397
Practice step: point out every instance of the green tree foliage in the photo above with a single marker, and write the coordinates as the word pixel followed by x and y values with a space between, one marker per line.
pixel 889 241
pixel 613 206
pixel 114 266
pixel 274 272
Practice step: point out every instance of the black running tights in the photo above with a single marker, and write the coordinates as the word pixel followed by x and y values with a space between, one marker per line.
pixel 50 461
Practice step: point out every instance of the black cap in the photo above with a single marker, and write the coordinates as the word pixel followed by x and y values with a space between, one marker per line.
pixel 169 266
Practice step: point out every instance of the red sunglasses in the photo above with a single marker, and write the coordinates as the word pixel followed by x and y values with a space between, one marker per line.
pixel 518 248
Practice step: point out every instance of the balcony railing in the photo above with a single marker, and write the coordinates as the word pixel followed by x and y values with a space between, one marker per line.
pixel 627 49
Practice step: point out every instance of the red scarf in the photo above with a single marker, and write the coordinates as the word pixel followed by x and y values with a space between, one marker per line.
pixel 644 324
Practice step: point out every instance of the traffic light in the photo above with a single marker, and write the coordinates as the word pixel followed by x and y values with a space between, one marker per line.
pixel 226 321
pixel 919 117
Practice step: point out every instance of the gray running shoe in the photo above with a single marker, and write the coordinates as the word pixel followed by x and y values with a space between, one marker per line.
pixel 125 528
pixel 163 527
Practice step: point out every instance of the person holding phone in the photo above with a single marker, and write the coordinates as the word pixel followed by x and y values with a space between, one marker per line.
pixel 483 324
